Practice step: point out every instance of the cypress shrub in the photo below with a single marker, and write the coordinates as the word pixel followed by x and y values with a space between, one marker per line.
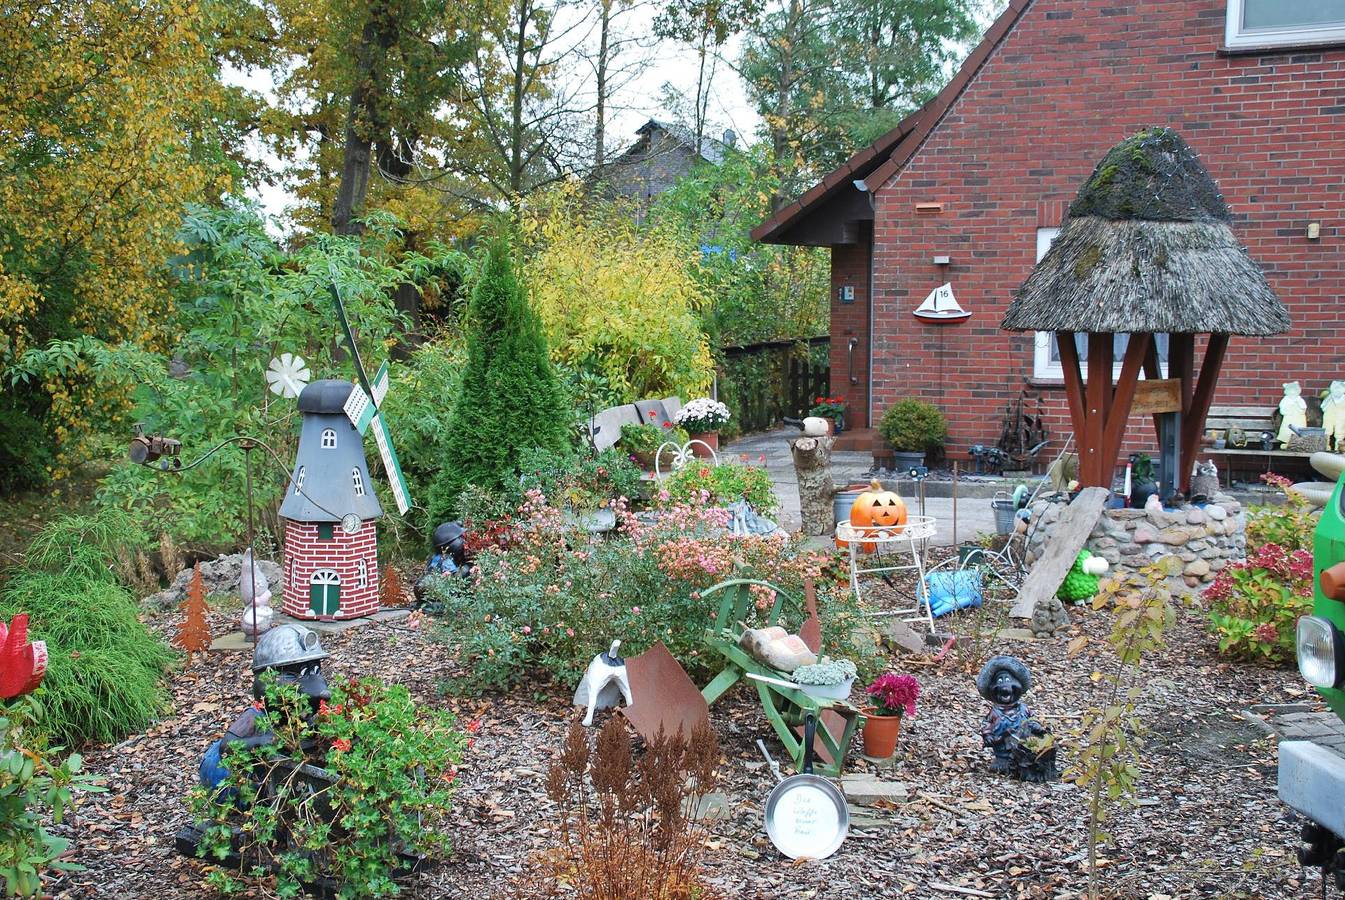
pixel 104 668
pixel 510 399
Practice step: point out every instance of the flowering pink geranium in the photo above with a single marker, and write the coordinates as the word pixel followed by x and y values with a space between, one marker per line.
pixel 894 694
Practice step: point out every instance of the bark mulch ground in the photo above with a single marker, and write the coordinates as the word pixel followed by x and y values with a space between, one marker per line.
pixel 1207 823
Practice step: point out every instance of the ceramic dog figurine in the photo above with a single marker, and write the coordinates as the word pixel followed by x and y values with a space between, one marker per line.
pixel 603 683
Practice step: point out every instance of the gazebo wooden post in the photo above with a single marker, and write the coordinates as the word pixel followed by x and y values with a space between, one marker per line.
pixel 1126 383
pixel 1069 364
pixel 1153 372
pixel 1097 401
pixel 1194 413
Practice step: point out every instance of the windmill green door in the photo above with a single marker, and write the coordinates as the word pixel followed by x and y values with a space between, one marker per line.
pixel 324 592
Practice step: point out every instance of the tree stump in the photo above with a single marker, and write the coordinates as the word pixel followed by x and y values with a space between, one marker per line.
pixel 812 464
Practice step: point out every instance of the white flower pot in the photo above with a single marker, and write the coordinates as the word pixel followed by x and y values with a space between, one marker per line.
pixel 829 691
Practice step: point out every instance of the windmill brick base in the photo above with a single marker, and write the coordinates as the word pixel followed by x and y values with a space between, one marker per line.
pixel 332 577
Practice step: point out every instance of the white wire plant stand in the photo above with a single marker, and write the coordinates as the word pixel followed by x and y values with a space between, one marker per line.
pixel 679 455
pixel 879 550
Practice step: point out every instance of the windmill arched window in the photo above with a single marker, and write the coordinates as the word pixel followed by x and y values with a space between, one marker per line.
pixel 328 439
pixel 358 481
pixel 364 573
pixel 324 592
pixel 299 480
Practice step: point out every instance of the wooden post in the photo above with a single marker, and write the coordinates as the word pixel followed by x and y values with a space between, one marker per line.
pixel 1069 363
pixel 812 465
pixel 1194 414
pixel 1094 470
pixel 1153 372
pixel 1114 430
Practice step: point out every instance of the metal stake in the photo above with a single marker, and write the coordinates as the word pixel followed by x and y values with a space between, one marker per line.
pixel 248 445
pixel 954 503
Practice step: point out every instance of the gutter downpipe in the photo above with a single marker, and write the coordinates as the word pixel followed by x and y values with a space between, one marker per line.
pixel 868 291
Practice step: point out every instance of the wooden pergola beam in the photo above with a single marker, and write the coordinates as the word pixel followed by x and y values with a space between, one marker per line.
pixel 1094 470
pixel 1069 364
pixel 1114 429
pixel 1195 412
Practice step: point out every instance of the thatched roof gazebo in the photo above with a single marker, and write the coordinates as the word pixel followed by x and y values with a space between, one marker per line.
pixel 1146 249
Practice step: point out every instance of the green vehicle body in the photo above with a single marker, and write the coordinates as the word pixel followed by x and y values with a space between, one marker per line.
pixel 1328 548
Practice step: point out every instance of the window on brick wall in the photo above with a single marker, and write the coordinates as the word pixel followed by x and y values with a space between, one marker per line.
pixel 1046 353
pixel 1284 23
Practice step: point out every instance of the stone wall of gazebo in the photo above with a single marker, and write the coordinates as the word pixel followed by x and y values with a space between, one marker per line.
pixel 1205 538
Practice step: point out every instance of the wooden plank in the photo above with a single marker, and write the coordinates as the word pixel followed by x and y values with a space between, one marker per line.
pixel 1162 395
pixel 1067 538
pixel 1152 371
pixel 1121 405
pixel 1069 363
pixel 1193 419
pixel 1247 424
pixel 1241 411
pixel 1210 451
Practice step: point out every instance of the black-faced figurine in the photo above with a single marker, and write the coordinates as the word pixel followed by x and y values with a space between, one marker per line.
pixel 294 653
pixel 450 552
pixel 1009 729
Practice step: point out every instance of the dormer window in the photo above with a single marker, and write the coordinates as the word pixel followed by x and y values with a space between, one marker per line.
pixel 299 481
pixel 328 439
pixel 358 481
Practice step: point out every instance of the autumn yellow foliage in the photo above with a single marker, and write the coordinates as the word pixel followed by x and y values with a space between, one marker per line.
pixel 616 299
pixel 107 112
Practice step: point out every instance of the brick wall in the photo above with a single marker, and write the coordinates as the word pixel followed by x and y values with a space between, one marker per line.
pixel 306 553
pixel 1069 81
pixel 850 267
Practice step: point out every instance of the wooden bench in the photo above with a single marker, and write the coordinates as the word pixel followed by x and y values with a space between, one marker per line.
pixel 1253 421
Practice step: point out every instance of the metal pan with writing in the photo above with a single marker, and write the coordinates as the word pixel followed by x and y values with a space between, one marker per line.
pixel 806 816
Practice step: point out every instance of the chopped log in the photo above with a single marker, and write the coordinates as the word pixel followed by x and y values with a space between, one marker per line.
pixel 812 465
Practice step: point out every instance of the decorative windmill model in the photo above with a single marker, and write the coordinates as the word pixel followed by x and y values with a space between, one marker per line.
pixel 331 542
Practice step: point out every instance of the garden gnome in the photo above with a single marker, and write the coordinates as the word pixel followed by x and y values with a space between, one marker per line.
pixel 22 664
pixel 450 552
pixel 1009 729
pixel 256 593
pixel 1293 410
pixel 295 655
pixel 604 683
pixel 1333 416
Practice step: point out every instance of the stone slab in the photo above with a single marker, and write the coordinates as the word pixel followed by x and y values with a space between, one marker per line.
pixel 236 640
pixel 863 789
pixel 1067 538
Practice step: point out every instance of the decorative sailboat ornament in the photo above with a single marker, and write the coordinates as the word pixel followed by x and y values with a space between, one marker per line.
pixel 941 306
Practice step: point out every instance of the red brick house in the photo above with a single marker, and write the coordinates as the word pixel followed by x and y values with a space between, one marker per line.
pixel 971 188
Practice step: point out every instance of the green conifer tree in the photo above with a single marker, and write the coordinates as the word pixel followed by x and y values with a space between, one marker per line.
pixel 510 398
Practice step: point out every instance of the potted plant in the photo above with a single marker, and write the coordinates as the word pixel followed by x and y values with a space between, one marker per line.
pixel 893 697
pixel 913 427
pixel 832 409
pixel 642 441
pixel 828 678
pixel 701 419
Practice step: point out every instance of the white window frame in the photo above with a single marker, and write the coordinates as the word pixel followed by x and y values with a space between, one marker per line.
pixel 357 480
pixel 328 439
pixel 363 573
pixel 1289 36
pixel 299 481
pixel 1043 367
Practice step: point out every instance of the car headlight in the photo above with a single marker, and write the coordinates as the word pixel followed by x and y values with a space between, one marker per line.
pixel 1319 652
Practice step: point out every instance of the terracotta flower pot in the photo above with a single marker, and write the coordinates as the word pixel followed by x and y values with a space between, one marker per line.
pixel 880 734
pixel 709 438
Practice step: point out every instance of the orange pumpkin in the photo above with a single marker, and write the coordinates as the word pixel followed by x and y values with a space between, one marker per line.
pixel 877 508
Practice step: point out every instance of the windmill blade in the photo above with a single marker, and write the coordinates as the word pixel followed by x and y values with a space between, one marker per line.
pixel 287 374
pixel 396 480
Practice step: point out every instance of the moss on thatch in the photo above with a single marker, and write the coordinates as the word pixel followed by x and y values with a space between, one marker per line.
pixel 1147 247
pixel 1152 175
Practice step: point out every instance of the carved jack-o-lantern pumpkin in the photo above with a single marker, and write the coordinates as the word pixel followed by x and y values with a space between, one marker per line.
pixel 877 508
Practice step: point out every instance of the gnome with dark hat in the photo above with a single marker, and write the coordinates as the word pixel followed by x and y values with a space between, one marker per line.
pixel 1009 729
pixel 450 558
pixel 294 655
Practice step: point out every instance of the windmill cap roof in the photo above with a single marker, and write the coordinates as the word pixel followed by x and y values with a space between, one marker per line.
pixel 1151 176
pixel 326 396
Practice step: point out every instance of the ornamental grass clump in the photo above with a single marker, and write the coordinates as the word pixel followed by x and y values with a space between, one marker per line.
pixel 104 668
pixel 630 827
pixel 379 790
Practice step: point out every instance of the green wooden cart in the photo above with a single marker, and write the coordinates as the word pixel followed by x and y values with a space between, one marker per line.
pixel 785 706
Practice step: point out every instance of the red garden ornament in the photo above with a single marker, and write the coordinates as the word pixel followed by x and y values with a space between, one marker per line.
pixel 22 664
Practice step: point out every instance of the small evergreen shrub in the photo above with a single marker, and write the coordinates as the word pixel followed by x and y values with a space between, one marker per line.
pixel 510 398
pixel 104 668
pixel 913 426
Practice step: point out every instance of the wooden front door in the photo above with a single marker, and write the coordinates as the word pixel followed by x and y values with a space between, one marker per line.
pixel 851 326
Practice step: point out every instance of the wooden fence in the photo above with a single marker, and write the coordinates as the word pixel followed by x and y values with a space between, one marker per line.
pixel 763 383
